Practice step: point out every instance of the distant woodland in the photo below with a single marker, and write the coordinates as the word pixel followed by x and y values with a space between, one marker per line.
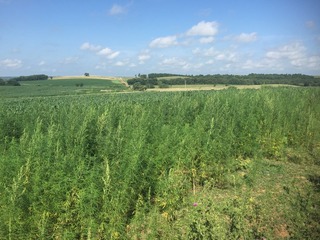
pixel 251 79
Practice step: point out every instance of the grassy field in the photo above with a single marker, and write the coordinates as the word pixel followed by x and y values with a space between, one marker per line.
pixel 63 86
pixel 77 85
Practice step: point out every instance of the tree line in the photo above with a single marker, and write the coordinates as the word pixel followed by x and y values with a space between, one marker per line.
pixel 32 77
pixel 250 79
pixel 10 82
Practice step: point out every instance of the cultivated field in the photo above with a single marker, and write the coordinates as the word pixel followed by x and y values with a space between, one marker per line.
pixel 68 85
pixel 228 164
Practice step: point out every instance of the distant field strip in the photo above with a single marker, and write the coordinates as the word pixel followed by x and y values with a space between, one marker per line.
pixel 84 77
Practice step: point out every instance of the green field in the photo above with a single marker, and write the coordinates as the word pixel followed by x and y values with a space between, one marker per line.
pixel 61 86
pixel 229 164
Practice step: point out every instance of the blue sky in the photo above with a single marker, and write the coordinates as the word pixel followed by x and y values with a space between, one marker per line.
pixel 127 37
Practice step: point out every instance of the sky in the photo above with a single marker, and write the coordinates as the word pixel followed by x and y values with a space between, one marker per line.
pixel 128 37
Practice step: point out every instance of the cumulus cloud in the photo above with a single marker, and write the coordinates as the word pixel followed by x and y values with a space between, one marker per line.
pixel 291 51
pixel 120 63
pixel 11 63
pixel 293 55
pixel 206 40
pixel 225 55
pixel 99 50
pixel 143 57
pixel 91 47
pixel 113 55
pixel 204 29
pixel 164 42
pixel 107 52
pixel 173 62
pixel 251 64
pixel 246 37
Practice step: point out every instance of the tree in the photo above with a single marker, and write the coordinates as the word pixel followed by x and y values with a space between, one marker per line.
pixel 13 82
pixel 2 82
pixel 86 74
pixel 138 87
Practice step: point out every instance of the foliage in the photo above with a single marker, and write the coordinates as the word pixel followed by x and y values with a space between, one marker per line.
pixel 138 87
pixel 12 82
pixel 229 164
pixel 251 79
pixel 159 75
pixel 32 77
pixel 2 82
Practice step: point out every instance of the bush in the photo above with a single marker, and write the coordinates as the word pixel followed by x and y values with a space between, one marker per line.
pixel 13 82
pixel 138 87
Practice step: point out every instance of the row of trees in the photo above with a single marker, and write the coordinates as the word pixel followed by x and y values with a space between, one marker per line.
pixel 32 77
pixel 10 82
pixel 158 75
pixel 251 79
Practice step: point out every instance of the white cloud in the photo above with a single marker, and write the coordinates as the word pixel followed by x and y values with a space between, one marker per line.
pixel 143 57
pixel 41 63
pixel 11 63
pixel 173 62
pixel 117 9
pixel 105 52
pixel 113 55
pixel 314 62
pixel 91 47
pixel 290 56
pixel 292 51
pixel 225 55
pixel 164 42
pixel 246 37
pixel 99 50
pixel 206 40
pixel 204 29
pixel 120 63
pixel 250 64
pixel 70 60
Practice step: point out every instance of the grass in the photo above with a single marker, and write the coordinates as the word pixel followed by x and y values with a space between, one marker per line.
pixel 62 86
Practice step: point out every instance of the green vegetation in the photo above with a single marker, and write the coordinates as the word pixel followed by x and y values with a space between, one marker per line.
pixel 63 86
pixel 251 79
pixel 32 77
pixel 229 164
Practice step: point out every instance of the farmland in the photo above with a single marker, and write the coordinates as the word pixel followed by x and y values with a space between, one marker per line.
pixel 63 86
pixel 228 164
